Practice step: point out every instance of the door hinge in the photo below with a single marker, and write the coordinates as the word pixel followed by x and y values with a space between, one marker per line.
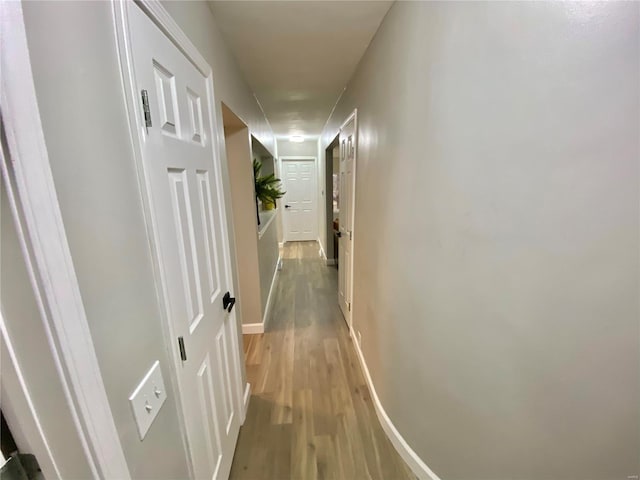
pixel 349 306
pixel 183 351
pixel 145 108
pixel 350 234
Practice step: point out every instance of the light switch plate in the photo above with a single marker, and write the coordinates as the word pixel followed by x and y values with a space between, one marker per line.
pixel 147 399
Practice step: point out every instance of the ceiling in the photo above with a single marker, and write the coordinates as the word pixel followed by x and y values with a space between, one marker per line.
pixel 298 56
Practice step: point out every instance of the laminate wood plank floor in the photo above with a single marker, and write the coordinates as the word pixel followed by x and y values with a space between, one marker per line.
pixel 311 415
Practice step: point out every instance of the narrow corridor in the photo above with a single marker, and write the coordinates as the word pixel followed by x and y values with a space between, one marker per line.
pixel 311 415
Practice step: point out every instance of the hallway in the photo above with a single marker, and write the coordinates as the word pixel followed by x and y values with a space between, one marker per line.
pixel 310 414
pixel 472 167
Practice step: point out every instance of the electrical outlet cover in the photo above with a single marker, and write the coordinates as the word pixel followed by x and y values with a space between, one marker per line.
pixel 147 399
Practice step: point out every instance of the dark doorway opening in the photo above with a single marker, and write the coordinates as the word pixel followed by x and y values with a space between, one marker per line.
pixel 332 177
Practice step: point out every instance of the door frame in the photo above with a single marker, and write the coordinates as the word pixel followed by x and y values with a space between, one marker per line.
pixel 157 13
pixel 34 204
pixel 328 198
pixel 309 158
pixel 352 116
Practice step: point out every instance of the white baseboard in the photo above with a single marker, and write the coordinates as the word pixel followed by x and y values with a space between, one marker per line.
pixel 422 471
pixel 252 328
pixel 245 401
pixel 272 289
pixel 330 261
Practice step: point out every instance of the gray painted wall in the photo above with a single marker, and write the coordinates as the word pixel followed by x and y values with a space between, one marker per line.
pixel 497 232
pixel 243 202
pixel 30 345
pixel 79 91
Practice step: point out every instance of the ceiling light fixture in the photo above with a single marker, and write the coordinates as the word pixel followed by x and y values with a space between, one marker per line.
pixel 296 138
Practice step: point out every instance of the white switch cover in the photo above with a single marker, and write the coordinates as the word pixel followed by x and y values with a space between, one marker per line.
pixel 147 399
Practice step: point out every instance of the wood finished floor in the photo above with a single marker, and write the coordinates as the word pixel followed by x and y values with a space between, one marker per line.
pixel 311 415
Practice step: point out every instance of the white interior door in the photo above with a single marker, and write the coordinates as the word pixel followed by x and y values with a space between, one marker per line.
pixel 186 203
pixel 345 243
pixel 300 218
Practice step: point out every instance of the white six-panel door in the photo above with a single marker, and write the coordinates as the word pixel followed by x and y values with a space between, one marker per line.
pixel 186 204
pixel 347 140
pixel 300 217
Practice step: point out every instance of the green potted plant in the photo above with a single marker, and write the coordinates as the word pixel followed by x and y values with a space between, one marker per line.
pixel 268 188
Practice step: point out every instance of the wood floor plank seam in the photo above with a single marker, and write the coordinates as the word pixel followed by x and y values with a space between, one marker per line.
pixel 310 416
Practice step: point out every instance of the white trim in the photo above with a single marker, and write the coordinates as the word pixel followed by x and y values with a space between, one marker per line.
pixel 157 13
pixel 353 116
pixel 321 250
pixel 245 401
pixel 34 201
pixel 320 194
pixel 328 227
pixel 14 379
pixel 298 157
pixel 417 465
pixel 307 138
pixel 252 328
pixel 270 297
pixel 262 229
pixel 308 158
pixel 320 181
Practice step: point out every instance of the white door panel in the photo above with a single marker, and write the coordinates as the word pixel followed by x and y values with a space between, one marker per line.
pixel 347 140
pixel 300 215
pixel 186 204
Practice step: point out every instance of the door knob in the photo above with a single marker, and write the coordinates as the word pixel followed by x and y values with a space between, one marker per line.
pixel 287 206
pixel 228 302
pixel 339 234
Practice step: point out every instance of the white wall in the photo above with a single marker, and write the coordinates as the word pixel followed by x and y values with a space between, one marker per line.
pixel 78 84
pixel 268 250
pixel 497 231
pixel 308 148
